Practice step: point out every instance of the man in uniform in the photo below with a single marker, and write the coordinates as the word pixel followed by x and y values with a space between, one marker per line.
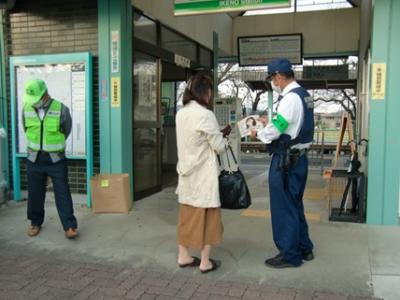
pixel 47 124
pixel 288 137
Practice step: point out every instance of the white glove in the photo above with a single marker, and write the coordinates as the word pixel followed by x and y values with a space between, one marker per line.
pixel 3 133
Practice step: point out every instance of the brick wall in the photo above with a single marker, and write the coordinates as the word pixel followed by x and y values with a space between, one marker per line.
pixel 50 27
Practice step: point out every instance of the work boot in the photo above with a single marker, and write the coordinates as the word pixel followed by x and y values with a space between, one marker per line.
pixel 71 233
pixel 33 230
pixel 279 263
pixel 307 255
pixel 273 258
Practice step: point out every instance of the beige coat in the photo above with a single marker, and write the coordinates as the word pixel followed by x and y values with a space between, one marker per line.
pixel 199 138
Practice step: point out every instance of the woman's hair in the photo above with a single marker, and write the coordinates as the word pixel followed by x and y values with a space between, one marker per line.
pixel 197 89
pixel 253 121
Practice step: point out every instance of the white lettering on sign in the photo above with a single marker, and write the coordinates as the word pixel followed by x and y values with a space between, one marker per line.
pixel 230 3
pixel 182 61
pixel 195 7
pixel 115 51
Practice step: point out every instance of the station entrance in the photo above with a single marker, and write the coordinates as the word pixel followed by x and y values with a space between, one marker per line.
pixel 158 88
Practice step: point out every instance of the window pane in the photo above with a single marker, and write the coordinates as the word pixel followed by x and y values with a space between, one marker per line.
pixel 205 57
pixel 144 88
pixel 178 44
pixel 144 28
pixel 146 158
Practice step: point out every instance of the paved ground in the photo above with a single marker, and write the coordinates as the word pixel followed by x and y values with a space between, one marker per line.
pixel 133 256
pixel 45 276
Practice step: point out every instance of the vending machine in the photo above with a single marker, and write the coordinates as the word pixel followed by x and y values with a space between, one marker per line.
pixel 229 111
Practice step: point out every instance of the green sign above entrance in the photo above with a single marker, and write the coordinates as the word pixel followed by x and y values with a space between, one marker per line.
pixel 198 7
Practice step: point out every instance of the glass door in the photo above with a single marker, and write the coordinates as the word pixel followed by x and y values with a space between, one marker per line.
pixel 146 125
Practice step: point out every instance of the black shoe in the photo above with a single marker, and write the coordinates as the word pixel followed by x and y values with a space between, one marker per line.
pixel 307 255
pixel 215 264
pixel 272 258
pixel 279 263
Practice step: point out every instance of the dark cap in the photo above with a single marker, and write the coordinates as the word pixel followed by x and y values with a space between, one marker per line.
pixel 279 65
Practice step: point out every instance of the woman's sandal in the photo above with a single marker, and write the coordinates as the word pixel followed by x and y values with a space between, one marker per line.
pixel 215 265
pixel 195 263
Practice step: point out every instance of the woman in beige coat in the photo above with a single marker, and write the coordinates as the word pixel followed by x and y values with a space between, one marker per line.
pixel 199 139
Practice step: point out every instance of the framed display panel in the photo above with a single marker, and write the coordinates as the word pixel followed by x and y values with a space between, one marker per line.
pixel 260 50
pixel 69 80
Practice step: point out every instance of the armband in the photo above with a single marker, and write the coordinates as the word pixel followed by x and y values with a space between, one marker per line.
pixel 280 123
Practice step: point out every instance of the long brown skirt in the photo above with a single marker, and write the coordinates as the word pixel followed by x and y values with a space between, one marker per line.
pixel 198 226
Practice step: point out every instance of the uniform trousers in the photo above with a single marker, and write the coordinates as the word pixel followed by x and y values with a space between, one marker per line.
pixel 37 174
pixel 289 225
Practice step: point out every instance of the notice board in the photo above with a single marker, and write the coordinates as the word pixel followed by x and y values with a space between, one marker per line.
pixel 260 50
pixel 66 82
pixel 68 77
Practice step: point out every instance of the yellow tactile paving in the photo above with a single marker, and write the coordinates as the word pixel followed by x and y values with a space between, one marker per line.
pixel 321 193
pixel 315 193
pixel 262 213
pixel 313 216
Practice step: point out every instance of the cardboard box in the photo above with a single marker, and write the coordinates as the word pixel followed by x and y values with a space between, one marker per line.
pixel 111 193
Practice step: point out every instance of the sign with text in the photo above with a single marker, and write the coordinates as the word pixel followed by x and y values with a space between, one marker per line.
pixel 260 50
pixel 115 92
pixel 182 61
pixel 115 51
pixel 199 7
pixel 339 72
pixel 378 81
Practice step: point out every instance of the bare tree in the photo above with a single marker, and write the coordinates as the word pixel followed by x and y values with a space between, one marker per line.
pixel 229 79
pixel 345 98
pixel 257 99
pixel 224 72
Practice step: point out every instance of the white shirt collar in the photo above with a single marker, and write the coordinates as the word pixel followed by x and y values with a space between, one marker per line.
pixel 289 87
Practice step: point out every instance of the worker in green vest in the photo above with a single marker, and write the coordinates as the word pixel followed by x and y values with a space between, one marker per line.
pixel 47 124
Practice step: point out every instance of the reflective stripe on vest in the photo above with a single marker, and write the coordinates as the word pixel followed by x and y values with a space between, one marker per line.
pixel 306 134
pixel 53 140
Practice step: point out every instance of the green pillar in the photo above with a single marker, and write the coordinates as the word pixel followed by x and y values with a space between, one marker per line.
pixel 270 104
pixel 215 62
pixel 384 127
pixel 115 86
pixel 3 101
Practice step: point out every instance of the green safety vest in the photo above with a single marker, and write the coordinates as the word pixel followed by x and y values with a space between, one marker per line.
pixel 52 140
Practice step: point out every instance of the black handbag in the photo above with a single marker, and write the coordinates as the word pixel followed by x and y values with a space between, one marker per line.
pixel 233 190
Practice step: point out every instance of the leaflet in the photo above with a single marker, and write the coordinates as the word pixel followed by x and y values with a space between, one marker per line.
pixel 248 123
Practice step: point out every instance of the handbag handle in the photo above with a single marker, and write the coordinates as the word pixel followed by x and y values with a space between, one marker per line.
pixel 233 155
pixel 227 157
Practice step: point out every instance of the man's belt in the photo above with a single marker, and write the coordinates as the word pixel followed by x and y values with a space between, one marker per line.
pixel 298 152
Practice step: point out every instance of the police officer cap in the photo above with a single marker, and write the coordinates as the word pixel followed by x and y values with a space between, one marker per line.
pixel 278 65
pixel 34 90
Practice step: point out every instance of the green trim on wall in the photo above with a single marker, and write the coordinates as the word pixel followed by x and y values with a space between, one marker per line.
pixel 392 161
pixel 104 86
pixel 115 18
pixel 3 102
pixel 383 161
pixel 192 7
pixel 215 62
